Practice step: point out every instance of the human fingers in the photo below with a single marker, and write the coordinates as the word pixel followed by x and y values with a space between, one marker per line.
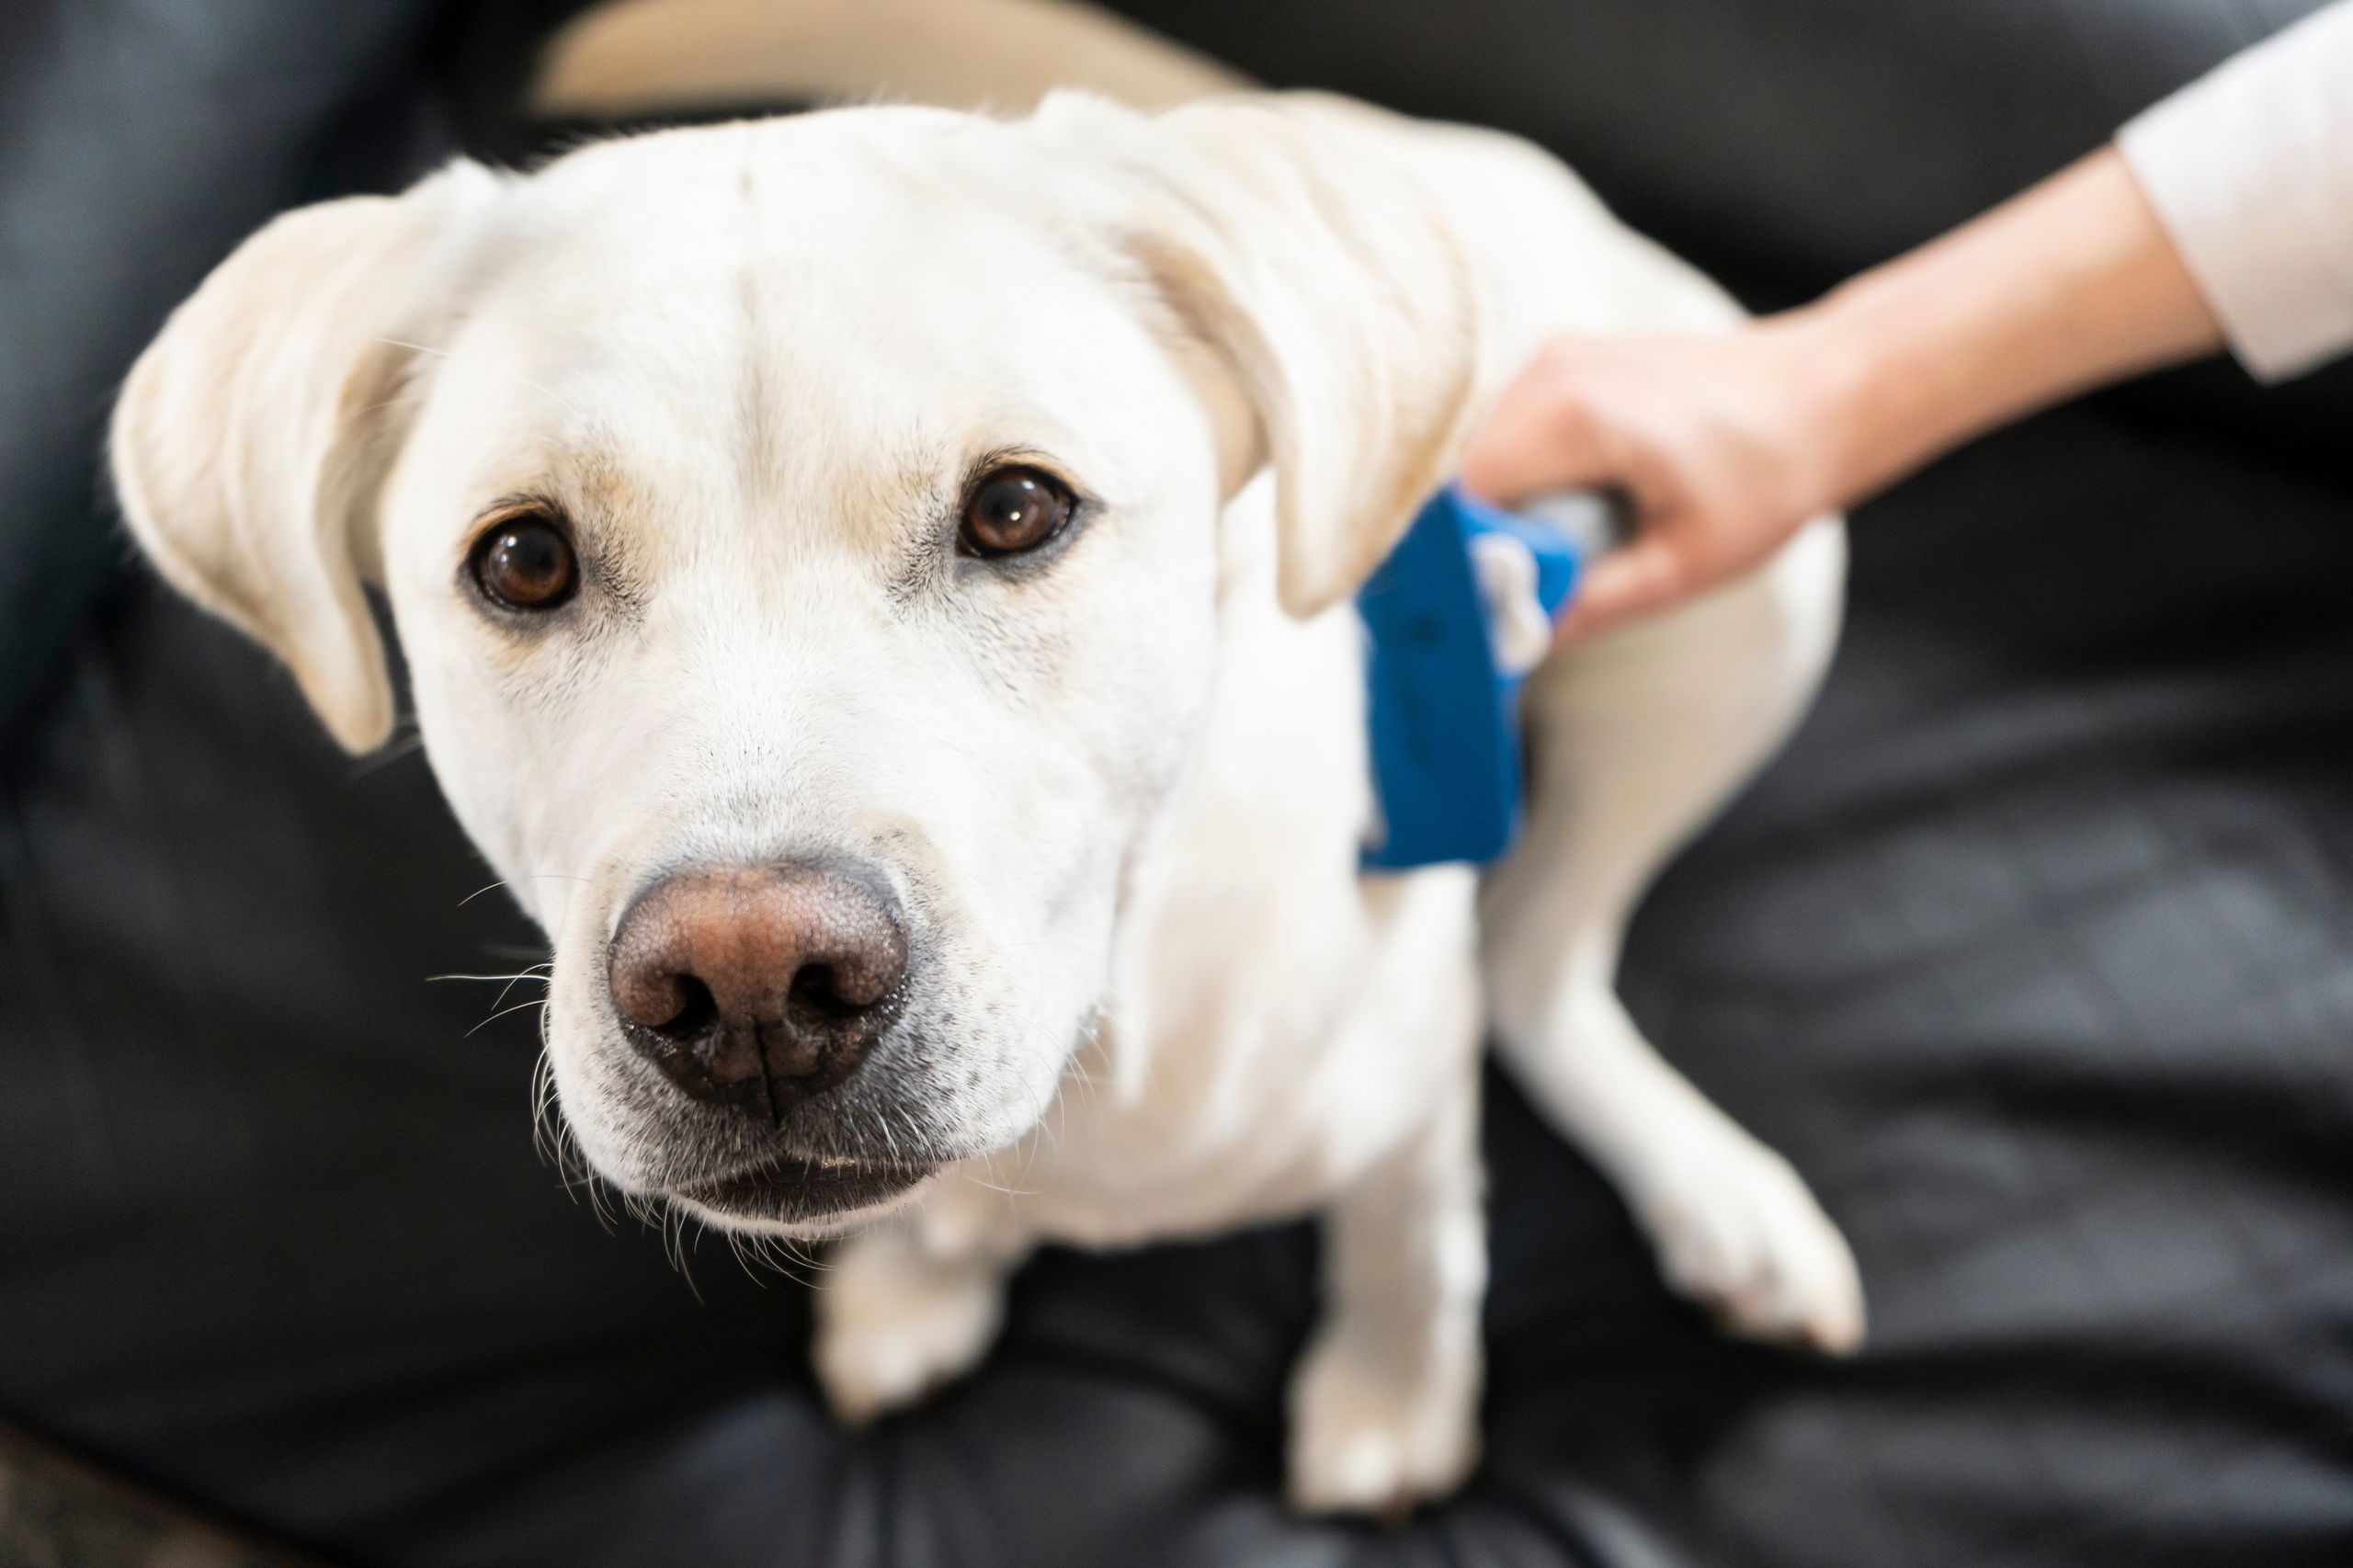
pixel 1656 569
pixel 1546 432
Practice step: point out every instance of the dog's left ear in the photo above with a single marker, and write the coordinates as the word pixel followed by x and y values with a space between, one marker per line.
pixel 1289 241
pixel 252 436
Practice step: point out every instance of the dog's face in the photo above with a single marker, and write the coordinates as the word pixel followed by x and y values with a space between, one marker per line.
pixel 901 578
pixel 804 542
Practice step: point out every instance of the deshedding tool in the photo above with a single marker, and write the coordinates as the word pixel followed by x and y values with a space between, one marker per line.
pixel 1456 618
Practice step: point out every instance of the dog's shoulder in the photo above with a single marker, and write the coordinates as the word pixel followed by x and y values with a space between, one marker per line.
pixel 1555 258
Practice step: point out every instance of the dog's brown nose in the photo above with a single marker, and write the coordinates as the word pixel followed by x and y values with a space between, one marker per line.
pixel 759 984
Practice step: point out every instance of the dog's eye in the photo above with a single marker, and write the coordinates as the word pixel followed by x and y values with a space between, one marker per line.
pixel 524 563
pixel 1011 510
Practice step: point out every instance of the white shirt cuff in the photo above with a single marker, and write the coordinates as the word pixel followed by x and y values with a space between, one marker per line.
pixel 2250 170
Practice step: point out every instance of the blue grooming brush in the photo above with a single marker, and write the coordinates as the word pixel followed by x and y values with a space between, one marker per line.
pixel 1455 618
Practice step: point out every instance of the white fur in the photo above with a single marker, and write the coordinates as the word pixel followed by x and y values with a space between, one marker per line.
pixel 1120 797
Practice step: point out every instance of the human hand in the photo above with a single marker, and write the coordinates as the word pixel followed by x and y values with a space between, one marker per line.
pixel 1719 442
pixel 1727 445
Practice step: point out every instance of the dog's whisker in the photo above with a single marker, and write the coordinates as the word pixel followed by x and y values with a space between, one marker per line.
pixel 1008 1191
pixel 669 1222
pixel 519 1006
pixel 760 1256
pixel 551 1140
pixel 508 990
pixel 531 877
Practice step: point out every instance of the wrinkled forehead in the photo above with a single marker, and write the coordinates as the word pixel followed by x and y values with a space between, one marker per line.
pixel 766 305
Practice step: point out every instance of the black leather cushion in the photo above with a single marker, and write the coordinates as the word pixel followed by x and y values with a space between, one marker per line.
pixel 2034 952
pixel 138 142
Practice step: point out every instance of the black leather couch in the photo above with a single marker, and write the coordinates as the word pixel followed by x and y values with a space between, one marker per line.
pixel 2035 951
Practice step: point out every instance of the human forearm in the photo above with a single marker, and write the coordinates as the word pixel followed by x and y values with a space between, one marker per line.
pixel 2071 285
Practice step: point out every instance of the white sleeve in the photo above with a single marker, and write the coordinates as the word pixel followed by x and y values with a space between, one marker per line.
pixel 2250 169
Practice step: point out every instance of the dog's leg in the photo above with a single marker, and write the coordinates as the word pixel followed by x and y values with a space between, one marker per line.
pixel 1384 1405
pixel 1636 739
pixel 905 1306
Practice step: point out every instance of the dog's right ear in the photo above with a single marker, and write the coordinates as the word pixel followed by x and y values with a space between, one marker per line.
pixel 253 434
pixel 1283 236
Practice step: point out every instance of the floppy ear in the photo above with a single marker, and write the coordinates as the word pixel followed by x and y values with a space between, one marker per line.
pixel 1288 240
pixel 252 437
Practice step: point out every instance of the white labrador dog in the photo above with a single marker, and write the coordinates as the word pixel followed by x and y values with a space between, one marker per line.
pixel 876 586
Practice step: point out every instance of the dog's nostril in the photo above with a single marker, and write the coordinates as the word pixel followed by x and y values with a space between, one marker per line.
pixel 651 996
pixel 697 1010
pixel 818 989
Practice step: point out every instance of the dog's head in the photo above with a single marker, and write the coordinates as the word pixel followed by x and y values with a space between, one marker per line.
pixel 803 537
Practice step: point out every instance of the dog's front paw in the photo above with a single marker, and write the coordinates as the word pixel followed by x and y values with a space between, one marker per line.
pixel 1369 1436
pixel 1738 1231
pixel 894 1322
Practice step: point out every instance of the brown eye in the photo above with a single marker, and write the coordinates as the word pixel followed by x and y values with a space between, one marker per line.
pixel 1011 510
pixel 524 563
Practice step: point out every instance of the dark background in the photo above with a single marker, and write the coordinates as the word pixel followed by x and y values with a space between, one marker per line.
pixel 2035 952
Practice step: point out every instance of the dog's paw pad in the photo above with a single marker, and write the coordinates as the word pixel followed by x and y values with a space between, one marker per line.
pixel 1742 1236
pixel 1364 1441
pixel 891 1329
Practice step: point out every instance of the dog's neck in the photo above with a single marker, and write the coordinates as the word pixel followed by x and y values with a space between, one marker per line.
pixel 1267 999
pixel 1247 914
